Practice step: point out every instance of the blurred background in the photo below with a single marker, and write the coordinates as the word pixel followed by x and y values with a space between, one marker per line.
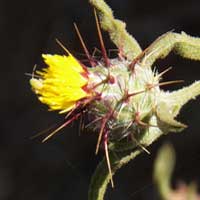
pixel 61 168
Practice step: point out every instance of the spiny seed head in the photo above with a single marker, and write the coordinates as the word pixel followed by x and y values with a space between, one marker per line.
pixel 126 96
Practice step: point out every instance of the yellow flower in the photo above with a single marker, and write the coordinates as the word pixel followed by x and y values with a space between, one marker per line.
pixel 60 85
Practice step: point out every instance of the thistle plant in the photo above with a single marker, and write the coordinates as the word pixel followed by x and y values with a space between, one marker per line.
pixel 121 96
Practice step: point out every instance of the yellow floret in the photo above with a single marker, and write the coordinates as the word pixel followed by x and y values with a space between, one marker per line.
pixel 60 84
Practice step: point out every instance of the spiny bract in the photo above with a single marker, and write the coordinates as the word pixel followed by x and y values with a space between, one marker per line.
pixel 126 96
pixel 121 96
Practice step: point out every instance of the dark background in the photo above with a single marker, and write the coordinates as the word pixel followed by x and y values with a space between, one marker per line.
pixel 62 167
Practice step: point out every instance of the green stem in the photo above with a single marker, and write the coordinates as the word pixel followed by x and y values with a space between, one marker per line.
pixel 101 176
pixel 167 110
pixel 117 30
pixel 182 96
pixel 183 44
pixel 163 170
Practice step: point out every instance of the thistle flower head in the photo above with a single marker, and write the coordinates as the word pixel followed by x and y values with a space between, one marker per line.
pixel 122 96
pixel 61 84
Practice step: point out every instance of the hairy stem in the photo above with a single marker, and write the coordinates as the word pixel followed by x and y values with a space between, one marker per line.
pixel 101 176
pixel 163 170
pixel 182 44
pixel 167 110
pixel 182 96
pixel 117 30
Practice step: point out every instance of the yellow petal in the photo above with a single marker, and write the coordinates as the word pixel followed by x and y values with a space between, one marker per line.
pixel 60 84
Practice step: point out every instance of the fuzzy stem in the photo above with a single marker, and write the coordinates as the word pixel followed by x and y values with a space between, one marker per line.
pixel 182 96
pixel 163 170
pixel 101 176
pixel 117 30
pixel 182 44
pixel 167 110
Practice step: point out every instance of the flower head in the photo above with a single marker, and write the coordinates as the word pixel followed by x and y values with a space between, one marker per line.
pixel 61 84
pixel 121 96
